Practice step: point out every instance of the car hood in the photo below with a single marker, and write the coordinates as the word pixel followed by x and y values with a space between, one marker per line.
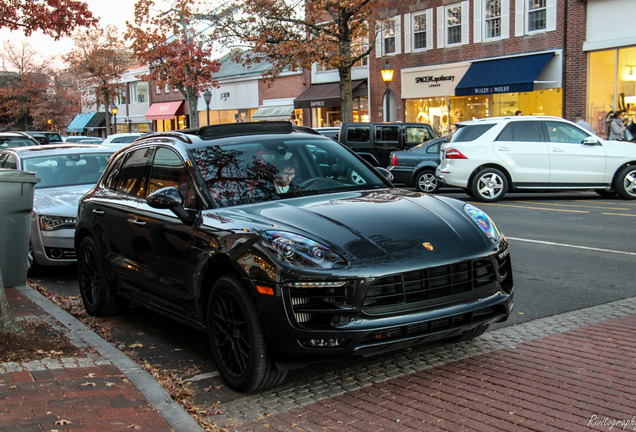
pixel 59 201
pixel 390 227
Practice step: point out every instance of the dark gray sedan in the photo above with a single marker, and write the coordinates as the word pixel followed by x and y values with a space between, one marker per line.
pixel 416 166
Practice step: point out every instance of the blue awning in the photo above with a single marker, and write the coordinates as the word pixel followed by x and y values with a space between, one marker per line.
pixel 79 122
pixel 506 75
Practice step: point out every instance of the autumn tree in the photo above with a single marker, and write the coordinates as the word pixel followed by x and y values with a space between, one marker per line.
pixel 24 84
pixel 100 58
pixel 55 18
pixel 60 104
pixel 291 36
pixel 176 46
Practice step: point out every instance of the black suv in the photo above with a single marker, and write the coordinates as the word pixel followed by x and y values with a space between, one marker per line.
pixel 376 141
pixel 255 233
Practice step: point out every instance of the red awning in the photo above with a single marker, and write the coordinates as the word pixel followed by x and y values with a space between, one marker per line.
pixel 164 110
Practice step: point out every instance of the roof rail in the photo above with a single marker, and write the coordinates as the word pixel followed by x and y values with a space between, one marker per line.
pixel 180 135
pixel 236 129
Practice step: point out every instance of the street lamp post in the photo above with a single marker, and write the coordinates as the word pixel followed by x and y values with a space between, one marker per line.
pixel 387 76
pixel 114 110
pixel 207 97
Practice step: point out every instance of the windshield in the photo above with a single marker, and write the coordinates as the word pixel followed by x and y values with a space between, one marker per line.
pixel 280 168
pixel 67 169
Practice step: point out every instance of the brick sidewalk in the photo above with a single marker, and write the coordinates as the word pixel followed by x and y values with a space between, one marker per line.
pixel 84 393
pixel 582 379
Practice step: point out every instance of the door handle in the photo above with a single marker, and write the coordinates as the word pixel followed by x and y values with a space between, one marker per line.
pixel 557 150
pixel 98 212
pixel 138 222
pixel 503 148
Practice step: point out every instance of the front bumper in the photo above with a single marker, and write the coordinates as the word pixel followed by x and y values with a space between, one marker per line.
pixel 53 248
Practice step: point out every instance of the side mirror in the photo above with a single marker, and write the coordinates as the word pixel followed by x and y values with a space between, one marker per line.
pixel 591 141
pixel 385 173
pixel 170 198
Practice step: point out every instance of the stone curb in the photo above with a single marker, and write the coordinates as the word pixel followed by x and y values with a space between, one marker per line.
pixel 176 416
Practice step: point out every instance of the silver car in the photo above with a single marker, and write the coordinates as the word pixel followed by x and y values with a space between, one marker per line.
pixel 66 173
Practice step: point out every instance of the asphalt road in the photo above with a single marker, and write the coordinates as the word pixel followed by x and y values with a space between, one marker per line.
pixel 568 250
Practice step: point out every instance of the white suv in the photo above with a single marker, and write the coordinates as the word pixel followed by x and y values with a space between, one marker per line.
pixel 491 156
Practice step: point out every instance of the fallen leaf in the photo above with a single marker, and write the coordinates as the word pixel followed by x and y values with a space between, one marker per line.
pixel 92 384
pixel 135 345
pixel 62 422
pixel 90 375
pixel 110 384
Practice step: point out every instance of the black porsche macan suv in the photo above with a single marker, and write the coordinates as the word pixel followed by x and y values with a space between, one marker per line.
pixel 255 233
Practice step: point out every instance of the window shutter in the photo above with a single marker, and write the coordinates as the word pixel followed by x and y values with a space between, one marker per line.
pixel 477 19
pixel 505 19
pixel 551 15
pixel 465 22
pixel 398 34
pixel 441 27
pixel 379 37
pixel 429 29
pixel 520 17
pixel 407 33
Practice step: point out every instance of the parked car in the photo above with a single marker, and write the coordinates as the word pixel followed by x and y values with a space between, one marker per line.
pixel 329 131
pixel 492 156
pixel 16 139
pixel 416 166
pixel 376 141
pixel 82 139
pixel 45 137
pixel 237 230
pixel 66 172
pixel 117 141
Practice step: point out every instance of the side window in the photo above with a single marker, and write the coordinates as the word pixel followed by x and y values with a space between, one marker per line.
pixel 168 170
pixel 434 149
pixel 388 134
pixel 358 134
pixel 564 133
pixel 416 135
pixel 11 162
pixel 132 177
pixel 521 131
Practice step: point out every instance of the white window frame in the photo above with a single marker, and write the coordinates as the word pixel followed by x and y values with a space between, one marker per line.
pixel 442 24
pixel 380 37
pixel 479 21
pixel 522 17
pixel 409 30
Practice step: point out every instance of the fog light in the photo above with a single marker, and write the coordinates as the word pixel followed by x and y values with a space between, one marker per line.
pixel 323 343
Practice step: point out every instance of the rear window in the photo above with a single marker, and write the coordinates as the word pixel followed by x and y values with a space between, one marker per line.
pixel 470 132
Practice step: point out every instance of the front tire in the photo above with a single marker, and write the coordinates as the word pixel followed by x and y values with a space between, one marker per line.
pixel 237 340
pixel 97 297
pixel 489 185
pixel 625 183
pixel 425 181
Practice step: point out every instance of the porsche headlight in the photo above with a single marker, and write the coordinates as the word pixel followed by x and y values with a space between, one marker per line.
pixel 300 251
pixel 52 223
pixel 484 222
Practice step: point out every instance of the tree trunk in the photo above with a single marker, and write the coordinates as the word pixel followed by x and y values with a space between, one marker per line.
pixel 193 100
pixel 346 95
pixel 7 322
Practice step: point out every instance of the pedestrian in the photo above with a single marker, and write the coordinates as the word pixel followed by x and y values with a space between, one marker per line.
pixel 579 120
pixel 616 128
pixel 518 113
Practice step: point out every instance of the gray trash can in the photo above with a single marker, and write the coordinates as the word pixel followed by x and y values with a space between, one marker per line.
pixel 16 203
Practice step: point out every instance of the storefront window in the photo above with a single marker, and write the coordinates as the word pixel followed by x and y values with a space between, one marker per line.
pixel 441 113
pixel 611 86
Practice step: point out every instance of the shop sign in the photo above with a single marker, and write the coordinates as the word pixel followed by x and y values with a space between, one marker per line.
pixel 316 104
pixel 432 81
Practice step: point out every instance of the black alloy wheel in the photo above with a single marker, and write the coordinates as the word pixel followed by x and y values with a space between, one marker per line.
pixel 237 340
pixel 96 295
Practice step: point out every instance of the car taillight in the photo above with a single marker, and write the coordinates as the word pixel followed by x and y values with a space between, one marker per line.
pixel 454 154
pixel 393 160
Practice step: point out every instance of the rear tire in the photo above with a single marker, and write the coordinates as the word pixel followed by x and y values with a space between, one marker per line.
pixel 489 185
pixel 625 183
pixel 425 181
pixel 237 340
pixel 97 296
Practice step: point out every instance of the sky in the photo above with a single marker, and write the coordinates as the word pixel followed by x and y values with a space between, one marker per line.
pixel 114 12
